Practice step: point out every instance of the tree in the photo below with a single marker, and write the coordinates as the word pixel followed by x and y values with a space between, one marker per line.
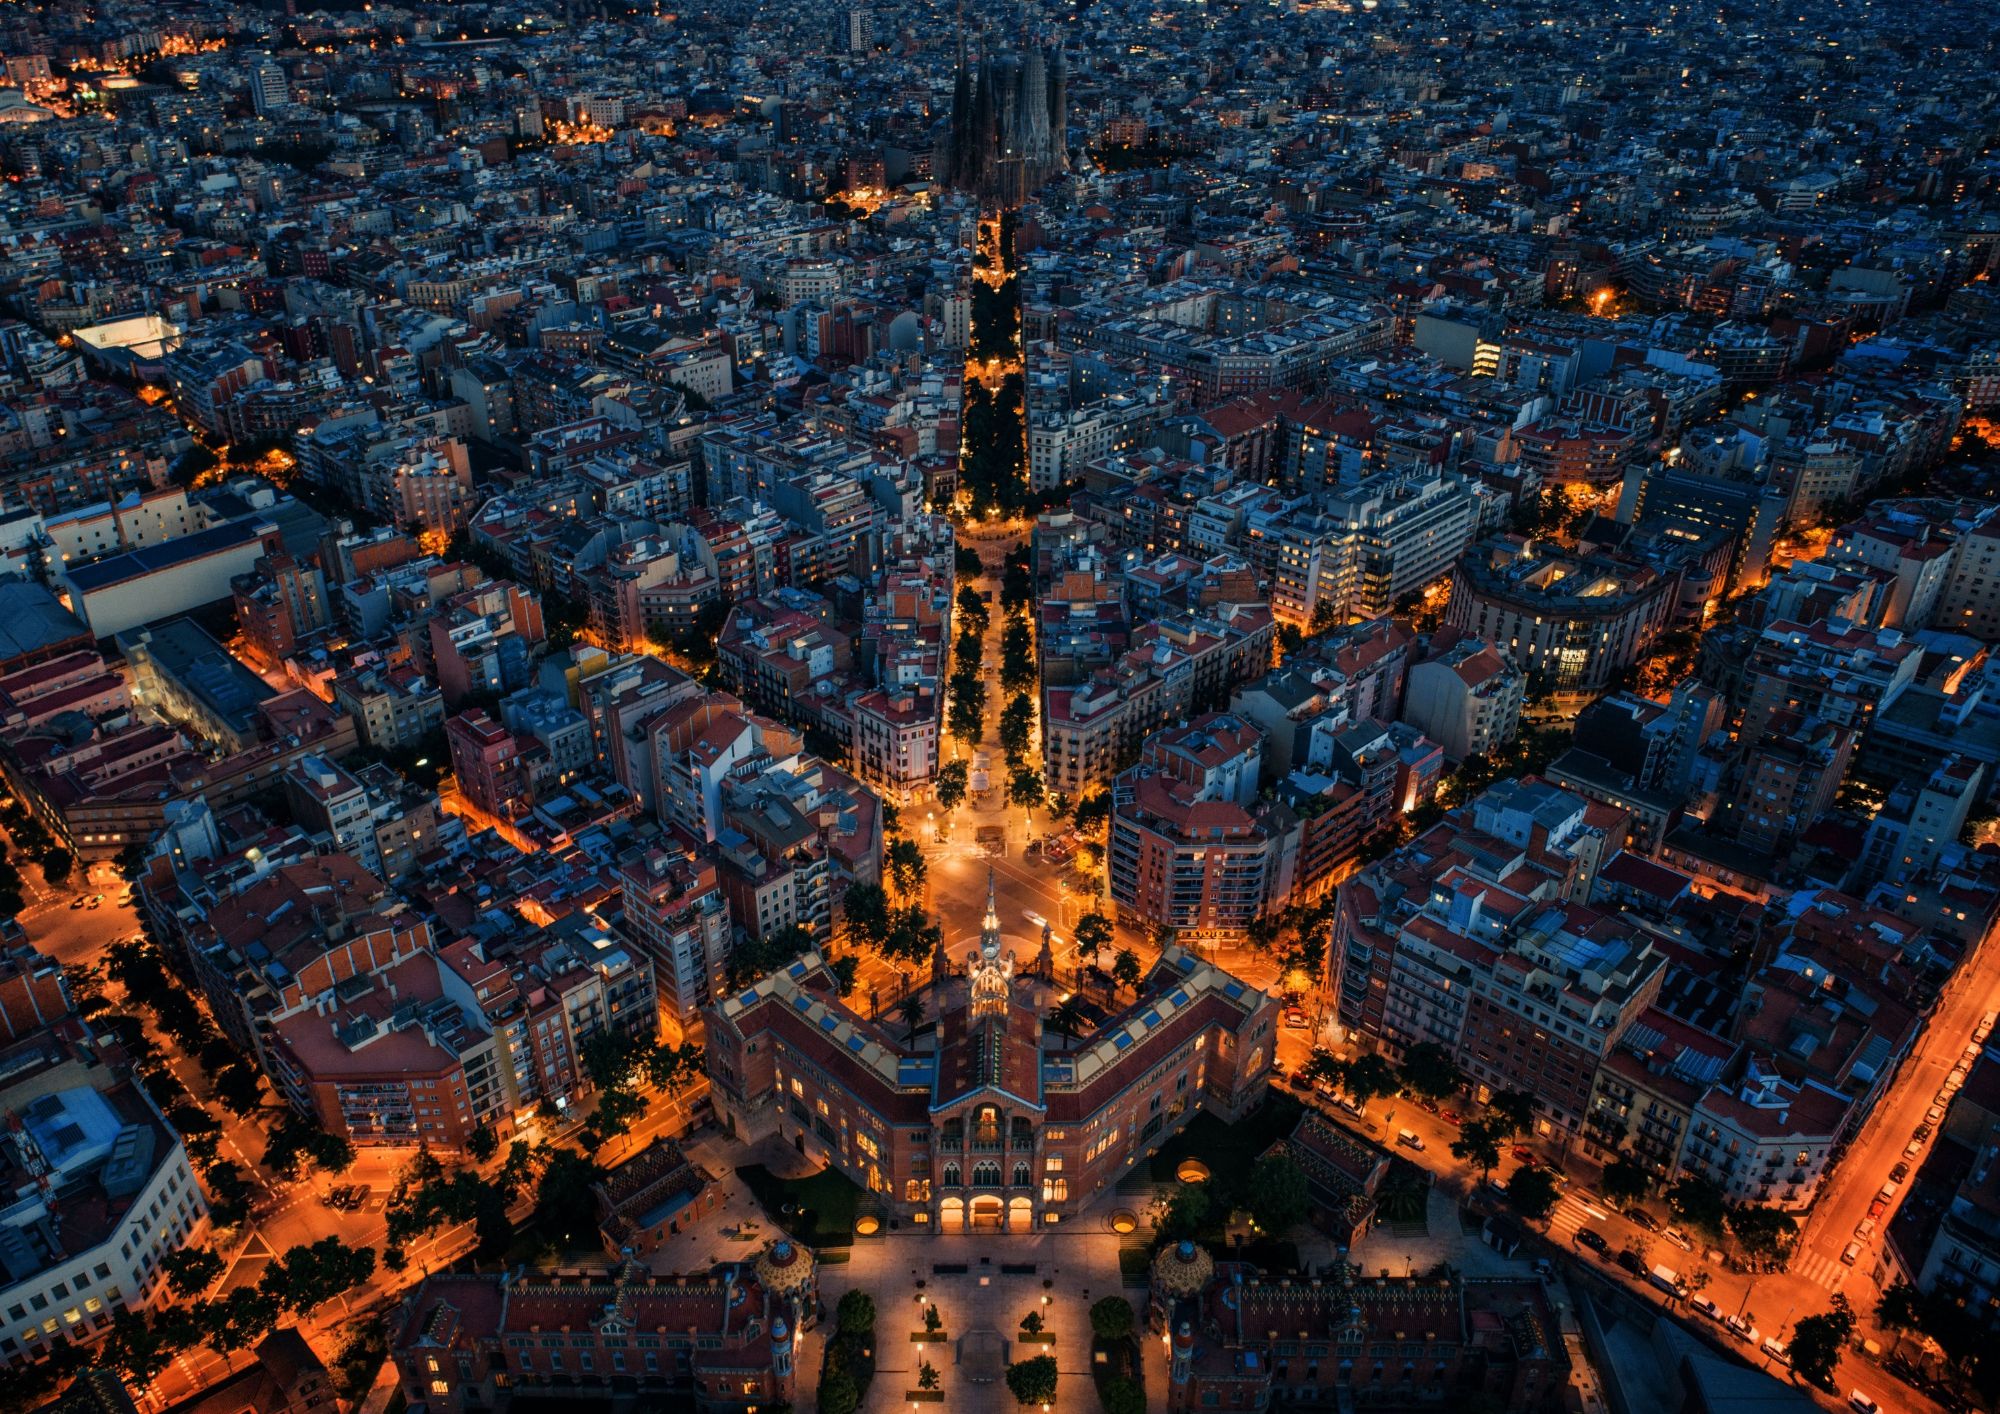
pixel 191 1271
pixel 1765 1234
pixel 1017 587
pixel 864 908
pixel 912 1009
pixel 1033 1381
pixel 906 863
pixel 927 1375
pixel 1111 1318
pixel 1479 1145
pixel 564 1203
pixel 310 1276
pixel 1032 1323
pixel 949 787
pixel 1818 1340
pixel 1187 1211
pixel 856 1313
pixel 1531 1192
pixel 239 1087
pixel 1323 1067
pixel 241 1319
pixel 1017 726
pixel 57 865
pixel 1125 969
pixel 1370 1077
pixel 1066 1019
pixel 1625 1182
pixel 1698 1202
pixel 838 1394
pixel 1511 1112
pixel 1277 1196
pixel 1121 1395
pixel 913 936
pixel 1093 935
pixel 1024 788
pixel 844 970
pixel 1429 1072
pixel 972 608
pixel 933 1318
pixel 1900 1308
pixel 966 563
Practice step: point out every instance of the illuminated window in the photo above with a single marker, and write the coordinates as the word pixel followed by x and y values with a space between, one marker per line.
pixel 440 1387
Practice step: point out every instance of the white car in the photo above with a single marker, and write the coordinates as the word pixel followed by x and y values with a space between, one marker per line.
pixel 1862 1402
pixel 1678 1238
pixel 1702 1306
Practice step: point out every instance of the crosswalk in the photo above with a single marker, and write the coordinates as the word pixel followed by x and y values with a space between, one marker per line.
pixel 1820 1269
pixel 1573 1213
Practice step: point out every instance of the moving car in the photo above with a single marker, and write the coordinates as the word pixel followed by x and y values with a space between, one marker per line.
pixel 1295 1018
pixel 1409 1139
pixel 1862 1402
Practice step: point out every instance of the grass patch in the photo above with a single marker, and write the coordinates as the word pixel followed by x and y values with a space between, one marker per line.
pixel 1135 1264
pixel 825 1205
pixel 1229 1150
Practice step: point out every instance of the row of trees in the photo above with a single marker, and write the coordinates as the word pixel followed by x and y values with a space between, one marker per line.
pixel 292 1142
pixel 1021 676
pixel 141 1344
pixel 33 839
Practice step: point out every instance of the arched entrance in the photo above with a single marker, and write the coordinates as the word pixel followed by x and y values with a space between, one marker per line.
pixel 1020 1215
pixel 951 1215
pixel 986 1213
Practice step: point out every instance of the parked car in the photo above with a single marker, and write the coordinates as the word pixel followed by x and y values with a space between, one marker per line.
pixel 1922 1131
pixel 1865 1229
pixel 1525 1155
pixel 1641 1218
pixel 1933 1114
pixel 1678 1238
pixel 1913 1148
pixel 1593 1239
pixel 1703 1306
pixel 1409 1139
pixel 1850 1254
pixel 1899 1173
pixel 1877 1208
pixel 1632 1262
pixel 1295 1018
pixel 1862 1402
pixel 1777 1350
pixel 1743 1330
pixel 1451 1117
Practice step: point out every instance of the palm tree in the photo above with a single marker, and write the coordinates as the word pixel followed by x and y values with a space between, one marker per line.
pixel 1066 1018
pixel 912 1009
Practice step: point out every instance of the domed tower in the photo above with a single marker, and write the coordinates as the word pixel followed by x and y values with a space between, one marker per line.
pixel 786 1270
pixel 781 1351
pixel 1183 1365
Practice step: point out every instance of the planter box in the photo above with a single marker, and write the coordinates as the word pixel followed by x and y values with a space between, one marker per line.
pixel 926 1396
pixel 929 1337
pixel 1045 1338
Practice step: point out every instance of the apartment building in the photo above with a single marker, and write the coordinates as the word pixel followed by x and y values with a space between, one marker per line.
pixel 1465 696
pixel 1191 848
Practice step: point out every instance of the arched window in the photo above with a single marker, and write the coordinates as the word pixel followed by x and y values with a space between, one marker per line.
pixel 986 1175
pixel 1055 1190
pixel 951 1175
pixel 1021 1178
